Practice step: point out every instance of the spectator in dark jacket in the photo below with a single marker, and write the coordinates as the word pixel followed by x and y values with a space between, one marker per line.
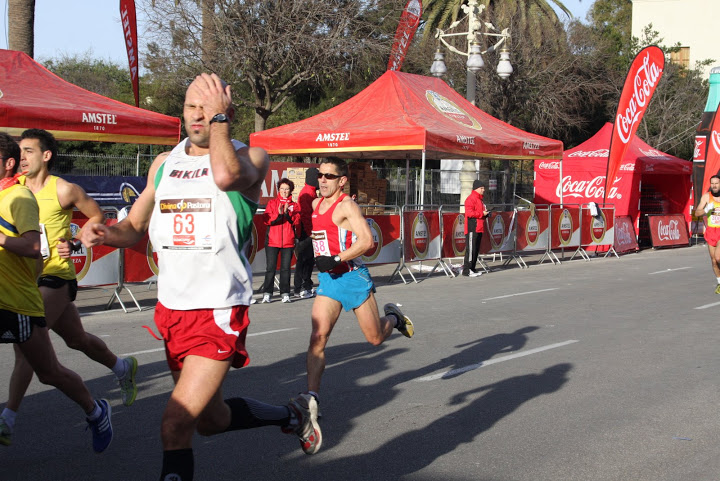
pixel 305 259
pixel 475 214
pixel 282 216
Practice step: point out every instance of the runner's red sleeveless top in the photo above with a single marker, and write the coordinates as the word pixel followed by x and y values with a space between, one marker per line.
pixel 330 240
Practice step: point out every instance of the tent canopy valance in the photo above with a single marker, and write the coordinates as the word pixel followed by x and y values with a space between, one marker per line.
pixel 406 116
pixel 33 97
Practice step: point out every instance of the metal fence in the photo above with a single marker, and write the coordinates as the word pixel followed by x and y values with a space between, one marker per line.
pixel 441 186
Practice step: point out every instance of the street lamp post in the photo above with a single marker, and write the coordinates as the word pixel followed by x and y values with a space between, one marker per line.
pixel 474 64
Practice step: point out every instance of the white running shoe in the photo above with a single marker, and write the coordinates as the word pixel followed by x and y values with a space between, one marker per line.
pixel 265 299
pixel 306 294
pixel 286 298
pixel 476 274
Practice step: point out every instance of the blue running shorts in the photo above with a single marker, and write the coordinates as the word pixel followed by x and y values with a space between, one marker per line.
pixel 350 289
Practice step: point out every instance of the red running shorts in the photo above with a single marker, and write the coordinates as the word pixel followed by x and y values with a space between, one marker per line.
pixel 211 333
pixel 712 235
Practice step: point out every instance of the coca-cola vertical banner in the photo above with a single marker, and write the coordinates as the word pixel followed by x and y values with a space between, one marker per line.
pixel 640 84
pixel 409 21
pixel 712 160
pixel 129 24
pixel 668 230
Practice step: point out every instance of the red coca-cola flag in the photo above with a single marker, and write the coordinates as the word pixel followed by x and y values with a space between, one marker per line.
pixel 640 84
pixel 409 21
pixel 129 23
pixel 712 159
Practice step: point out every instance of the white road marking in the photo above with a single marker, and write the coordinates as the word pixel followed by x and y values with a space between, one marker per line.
pixel 669 270
pixel 249 335
pixel 708 305
pixel 521 294
pixel 471 367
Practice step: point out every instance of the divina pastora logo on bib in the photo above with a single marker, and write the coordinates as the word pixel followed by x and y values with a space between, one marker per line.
pixel 373 252
pixel 420 236
pixel 81 259
pixel 451 110
pixel 458 243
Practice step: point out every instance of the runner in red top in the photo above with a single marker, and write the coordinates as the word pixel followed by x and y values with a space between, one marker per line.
pixel 340 236
pixel 709 209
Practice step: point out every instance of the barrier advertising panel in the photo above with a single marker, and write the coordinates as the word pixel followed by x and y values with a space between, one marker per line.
pixel 625 238
pixel 499 230
pixel 141 263
pixel 533 230
pixel 564 226
pixel 453 244
pixel 598 230
pixel 668 230
pixel 97 266
pixel 385 231
pixel 421 235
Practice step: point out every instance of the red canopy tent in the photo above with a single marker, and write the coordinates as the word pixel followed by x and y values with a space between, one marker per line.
pixel 648 182
pixel 406 116
pixel 33 97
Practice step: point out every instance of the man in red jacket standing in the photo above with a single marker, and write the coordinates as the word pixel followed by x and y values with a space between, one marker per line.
pixel 475 213
pixel 305 259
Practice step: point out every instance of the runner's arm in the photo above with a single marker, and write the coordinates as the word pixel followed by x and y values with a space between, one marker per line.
pixel 130 230
pixel 704 200
pixel 355 222
pixel 27 245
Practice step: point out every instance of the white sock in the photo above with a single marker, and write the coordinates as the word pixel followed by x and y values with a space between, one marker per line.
pixel 95 413
pixel 9 417
pixel 120 368
pixel 315 395
pixel 718 279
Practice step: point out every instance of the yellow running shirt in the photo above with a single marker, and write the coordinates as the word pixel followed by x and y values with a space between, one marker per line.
pixel 18 289
pixel 56 222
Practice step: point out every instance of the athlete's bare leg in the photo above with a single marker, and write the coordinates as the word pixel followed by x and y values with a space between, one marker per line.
pixel 325 313
pixel 196 402
pixel 41 356
pixel 375 328
pixel 715 259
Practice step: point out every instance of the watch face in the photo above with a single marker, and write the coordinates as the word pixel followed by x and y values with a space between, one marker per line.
pixel 219 118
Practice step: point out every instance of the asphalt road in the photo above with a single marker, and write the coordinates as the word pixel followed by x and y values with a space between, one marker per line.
pixel 601 370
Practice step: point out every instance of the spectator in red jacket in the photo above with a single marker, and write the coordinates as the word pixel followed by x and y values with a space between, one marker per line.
pixel 304 257
pixel 282 216
pixel 475 214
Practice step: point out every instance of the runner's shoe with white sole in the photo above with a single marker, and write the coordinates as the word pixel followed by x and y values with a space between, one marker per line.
pixel 717 289
pixel 305 409
pixel 5 433
pixel 128 388
pixel 102 431
pixel 405 325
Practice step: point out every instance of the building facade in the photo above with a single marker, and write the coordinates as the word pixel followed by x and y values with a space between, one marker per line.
pixel 692 23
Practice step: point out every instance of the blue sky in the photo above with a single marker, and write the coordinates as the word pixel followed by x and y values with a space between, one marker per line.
pixel 78 27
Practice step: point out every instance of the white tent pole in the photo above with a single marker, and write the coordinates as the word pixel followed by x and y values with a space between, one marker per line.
pixel 422 180
pixel 561 179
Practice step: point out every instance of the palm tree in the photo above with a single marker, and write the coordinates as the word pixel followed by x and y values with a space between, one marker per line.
pixel 532 20
pixel 21 26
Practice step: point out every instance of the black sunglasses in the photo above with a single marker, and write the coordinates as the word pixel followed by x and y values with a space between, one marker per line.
pixel 328 176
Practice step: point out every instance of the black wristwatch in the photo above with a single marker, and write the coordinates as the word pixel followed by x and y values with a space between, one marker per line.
pixel 220 118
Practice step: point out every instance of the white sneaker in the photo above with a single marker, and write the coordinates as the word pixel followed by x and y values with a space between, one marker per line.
pixel 306 294
pixel 286 298
pixel 253 301
pixel 265 299
pixel 476 274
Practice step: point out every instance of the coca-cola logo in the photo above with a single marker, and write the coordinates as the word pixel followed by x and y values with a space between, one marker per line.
pixel 655 154
pixel 643 85
pixel 629 167
pixel 669 231
pixel 549 165
pixel 715 141
pixel 590 153
pixel 624 237
pixel 586 189
pixel 699 151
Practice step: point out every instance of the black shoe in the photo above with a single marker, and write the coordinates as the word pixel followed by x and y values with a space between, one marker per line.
pixel 466 273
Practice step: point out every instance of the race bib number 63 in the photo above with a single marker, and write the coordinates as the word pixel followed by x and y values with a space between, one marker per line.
pixel 187 224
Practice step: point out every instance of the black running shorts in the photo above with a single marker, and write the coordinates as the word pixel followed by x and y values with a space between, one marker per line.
pixel 54 282
pixel 16 328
